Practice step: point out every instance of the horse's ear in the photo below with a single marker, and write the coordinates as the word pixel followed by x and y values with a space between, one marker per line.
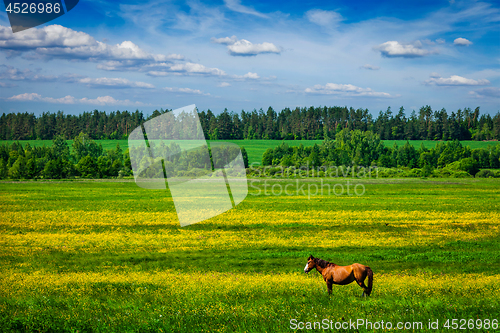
pixel 310 257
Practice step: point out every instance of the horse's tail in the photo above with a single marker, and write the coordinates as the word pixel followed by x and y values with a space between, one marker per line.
pixel 370 280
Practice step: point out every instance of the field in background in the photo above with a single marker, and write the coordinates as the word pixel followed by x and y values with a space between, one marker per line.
pixel 108 256
pixel 256 148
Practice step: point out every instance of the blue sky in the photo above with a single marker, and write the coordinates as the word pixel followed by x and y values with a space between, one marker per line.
pixel 238 54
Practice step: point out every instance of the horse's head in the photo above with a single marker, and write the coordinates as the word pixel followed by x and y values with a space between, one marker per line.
pixel 310 264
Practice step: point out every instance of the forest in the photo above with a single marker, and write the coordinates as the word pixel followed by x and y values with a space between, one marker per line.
pixel 351 149
pixel 313 123
pixel 359 150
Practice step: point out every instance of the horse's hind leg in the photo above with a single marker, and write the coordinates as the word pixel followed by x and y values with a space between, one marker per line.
pixel 361 283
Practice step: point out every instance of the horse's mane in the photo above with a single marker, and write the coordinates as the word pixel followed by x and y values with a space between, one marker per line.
pixel 323 263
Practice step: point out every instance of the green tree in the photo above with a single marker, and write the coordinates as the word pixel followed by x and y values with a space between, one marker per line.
pixel 60 147
pixel 87 167
pixel 53 169
pixel 18 169
pixel 244 154
pixel 4 171
pixel 104 165
pixel 31 168
pixel 469 165
pixel 84 146
pixel 267 157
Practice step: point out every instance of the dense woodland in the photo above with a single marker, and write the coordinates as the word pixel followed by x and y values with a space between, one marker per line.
pixel 87 159
pixel 360 150
pixel 350 150
pixel 299 123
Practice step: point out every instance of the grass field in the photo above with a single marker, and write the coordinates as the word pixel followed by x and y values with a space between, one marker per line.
pixel 256 148
pixel 108 256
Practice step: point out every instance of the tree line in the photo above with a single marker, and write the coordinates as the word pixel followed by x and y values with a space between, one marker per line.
pixel 289 124
pixel 358 149
pixel 87 159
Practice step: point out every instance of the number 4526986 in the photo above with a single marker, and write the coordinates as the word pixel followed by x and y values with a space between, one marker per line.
pixel 33 8
pixel 463 324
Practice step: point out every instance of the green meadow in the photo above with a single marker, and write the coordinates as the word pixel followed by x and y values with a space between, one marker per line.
pixel 108 256
pixel 256 148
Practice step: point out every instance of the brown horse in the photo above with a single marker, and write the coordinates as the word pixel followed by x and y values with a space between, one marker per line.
pixel 334 274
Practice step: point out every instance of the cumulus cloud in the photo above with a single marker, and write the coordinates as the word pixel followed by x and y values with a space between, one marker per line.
pixel 58 41
pixel 249 75
pixel 324 18
pixel 15 74
pixel 225 40
pixel 223 84
pixel 164 69
pixel 114 83
pixel 236 6
pixel 345 90
pixel 244 47
pixel 462 42
pixel 55 41
pixel 370 67
pixel 186 91
pixel 454 80
pixel 392 49
pixel 486 92
pixel 101 100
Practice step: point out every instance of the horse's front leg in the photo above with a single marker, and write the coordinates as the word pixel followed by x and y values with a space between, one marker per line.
pixel 329 284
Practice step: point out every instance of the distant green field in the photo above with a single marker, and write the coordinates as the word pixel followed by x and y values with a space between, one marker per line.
pixel 256 148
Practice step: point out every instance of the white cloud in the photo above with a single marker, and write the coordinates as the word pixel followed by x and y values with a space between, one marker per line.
pixel 454 80
pixel 236 6
pixel 370 67
pixel 186 91
pixel 486 92
pixel 188 68
pixel 440 41
pixel 225 40
pixel 101 100
pixel 244 47
pixel 223 84
pixel 249 75
pixel 114 83
pixel 55 41
pixel 462 42
pixel 58 41
pixel 7 85
pixel 345 90
pixel 15 74
pixel 108 100
pixel 393 49
pixel 49 36
pixel 324 18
